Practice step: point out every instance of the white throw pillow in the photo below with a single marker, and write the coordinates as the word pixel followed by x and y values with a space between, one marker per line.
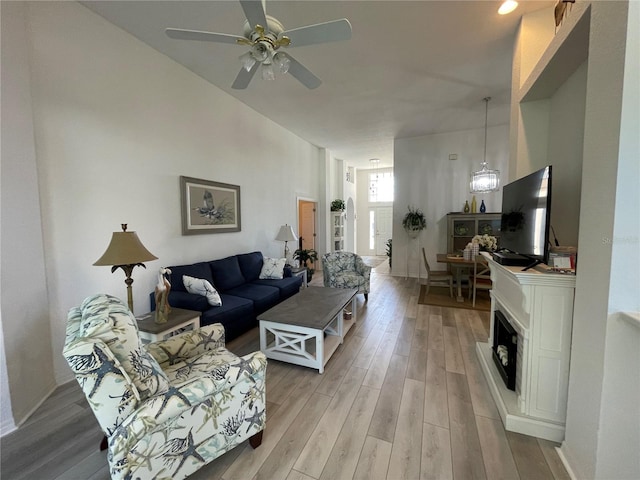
pixel 272 268
pixel 202 287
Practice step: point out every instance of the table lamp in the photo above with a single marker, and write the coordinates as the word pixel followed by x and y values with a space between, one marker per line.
pixel 286 235
pixel 125 251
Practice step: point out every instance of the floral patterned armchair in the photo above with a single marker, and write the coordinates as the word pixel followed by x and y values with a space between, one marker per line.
pixel 166 408
pixel 346 270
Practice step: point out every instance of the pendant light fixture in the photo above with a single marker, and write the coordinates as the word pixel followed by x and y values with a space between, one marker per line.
pixel 485 180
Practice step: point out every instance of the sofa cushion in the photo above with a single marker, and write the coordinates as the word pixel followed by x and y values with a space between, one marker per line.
pixel 226 273
pixel 236 315
pixel 109 319
pixel 272 268
pixel 203 287
pixel 288 286
pixel 250 265
pixel 263 297
pixel 196 270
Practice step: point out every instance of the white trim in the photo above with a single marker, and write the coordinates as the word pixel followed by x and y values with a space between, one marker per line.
pixel 565 462
pixel 7 427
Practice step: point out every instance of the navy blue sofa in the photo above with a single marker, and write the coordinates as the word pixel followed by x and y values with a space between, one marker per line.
pixel 244 296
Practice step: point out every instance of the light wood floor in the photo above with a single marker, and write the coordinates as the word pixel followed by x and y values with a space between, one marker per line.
pixel 403 398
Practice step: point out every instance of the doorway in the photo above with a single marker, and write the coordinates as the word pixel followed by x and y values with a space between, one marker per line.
pixel 307 224
pixel 380 228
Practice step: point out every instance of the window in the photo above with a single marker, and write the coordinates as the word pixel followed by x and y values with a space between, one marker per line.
pixel 380 187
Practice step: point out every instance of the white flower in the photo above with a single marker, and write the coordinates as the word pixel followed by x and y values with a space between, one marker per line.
pixel 489 242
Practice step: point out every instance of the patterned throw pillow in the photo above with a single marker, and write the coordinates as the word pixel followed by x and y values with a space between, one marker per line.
pixel 272 268
pixel 109 319
pixel 200 286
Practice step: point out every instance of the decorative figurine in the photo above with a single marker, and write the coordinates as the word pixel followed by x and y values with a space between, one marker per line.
pixel 163 287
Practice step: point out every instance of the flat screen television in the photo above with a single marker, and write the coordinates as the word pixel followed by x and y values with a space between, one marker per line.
pixel 526 213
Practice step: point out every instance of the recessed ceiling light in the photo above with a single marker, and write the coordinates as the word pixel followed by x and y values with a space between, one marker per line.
pixel 507 7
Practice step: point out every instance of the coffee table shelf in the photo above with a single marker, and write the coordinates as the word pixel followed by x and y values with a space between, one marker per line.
pixel 307 329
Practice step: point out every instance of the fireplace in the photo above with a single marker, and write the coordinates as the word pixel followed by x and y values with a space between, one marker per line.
pixel 505 349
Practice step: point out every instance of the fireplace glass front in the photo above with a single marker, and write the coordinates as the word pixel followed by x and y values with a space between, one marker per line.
pixel 505 349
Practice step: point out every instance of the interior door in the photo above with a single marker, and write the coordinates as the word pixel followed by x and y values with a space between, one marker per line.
pixel 306 224
pixel 382 228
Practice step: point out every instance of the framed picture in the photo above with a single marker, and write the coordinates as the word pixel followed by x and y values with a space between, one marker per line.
pixel 209 207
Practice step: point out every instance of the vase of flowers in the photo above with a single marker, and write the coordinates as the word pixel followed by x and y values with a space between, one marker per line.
pixel 485 242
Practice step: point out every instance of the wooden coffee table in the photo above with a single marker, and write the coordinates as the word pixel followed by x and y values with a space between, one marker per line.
pixel 308 327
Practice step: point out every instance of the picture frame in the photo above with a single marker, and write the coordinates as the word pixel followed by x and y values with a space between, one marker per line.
pixel 209 207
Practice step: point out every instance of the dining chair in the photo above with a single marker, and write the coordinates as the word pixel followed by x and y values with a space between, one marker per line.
pixel 437 277
pixel 480 279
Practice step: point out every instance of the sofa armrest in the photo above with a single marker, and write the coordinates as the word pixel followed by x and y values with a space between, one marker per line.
pixel 188 301
pixel 187 344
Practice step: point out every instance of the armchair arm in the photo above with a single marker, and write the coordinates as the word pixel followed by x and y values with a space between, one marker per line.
pixel 362 268
pixel 110 392
pixel 187 344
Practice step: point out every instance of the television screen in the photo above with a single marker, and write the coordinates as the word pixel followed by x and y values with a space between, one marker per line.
pixel 526 212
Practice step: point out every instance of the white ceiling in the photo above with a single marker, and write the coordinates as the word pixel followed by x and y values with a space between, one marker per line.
pixel 411 68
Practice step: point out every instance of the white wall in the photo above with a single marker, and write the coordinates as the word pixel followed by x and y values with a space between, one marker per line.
pixel 607 38
pixel 24 293
pixel 425 178
pixel 619 429
pixel 116 124
pixel 7 424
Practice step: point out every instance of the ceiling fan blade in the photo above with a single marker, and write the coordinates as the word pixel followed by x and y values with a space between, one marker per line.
pixel 333 31
pixel 242 80
pixel 302 73
pixel 254 11
pixel 181 34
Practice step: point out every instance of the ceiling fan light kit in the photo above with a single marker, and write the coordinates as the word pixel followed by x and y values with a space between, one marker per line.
pixel 265 35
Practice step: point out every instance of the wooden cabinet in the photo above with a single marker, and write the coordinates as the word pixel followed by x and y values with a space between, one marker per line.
pixel 462 227
pixel 337 233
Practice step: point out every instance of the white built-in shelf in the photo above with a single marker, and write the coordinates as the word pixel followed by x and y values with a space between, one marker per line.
pixel 568 49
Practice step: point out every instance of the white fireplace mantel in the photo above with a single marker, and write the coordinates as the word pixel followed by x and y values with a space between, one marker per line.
pixel 539 305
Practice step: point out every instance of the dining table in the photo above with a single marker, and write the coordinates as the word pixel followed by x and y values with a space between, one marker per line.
pixel 459 264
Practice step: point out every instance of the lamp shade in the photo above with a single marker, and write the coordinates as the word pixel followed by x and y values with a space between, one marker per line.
pixel 125 248
pixel 286 234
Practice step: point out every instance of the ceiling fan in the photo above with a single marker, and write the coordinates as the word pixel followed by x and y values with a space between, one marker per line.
pixel 265 36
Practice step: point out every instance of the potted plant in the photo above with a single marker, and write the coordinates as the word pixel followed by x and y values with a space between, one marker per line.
pixel 388 244
pixel 414 221
pixel 306 256
pixel 338 205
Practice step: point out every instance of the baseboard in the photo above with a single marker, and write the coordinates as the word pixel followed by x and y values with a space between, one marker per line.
pixel 566 464
pixel 52 389
pixel 7 427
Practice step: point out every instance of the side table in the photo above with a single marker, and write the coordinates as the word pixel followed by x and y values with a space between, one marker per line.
pixel 179 319
pixel 300 272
